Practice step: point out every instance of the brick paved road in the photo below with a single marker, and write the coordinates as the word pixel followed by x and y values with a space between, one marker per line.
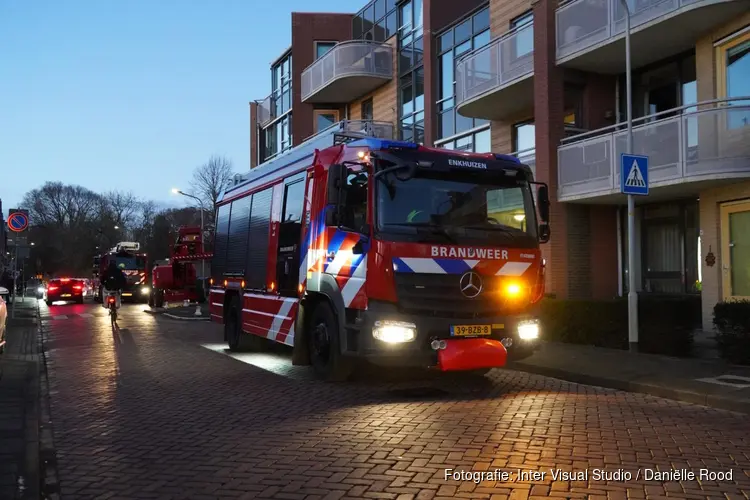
pixel 159 411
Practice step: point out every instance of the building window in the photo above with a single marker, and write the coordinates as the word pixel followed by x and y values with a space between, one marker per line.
pixel 376 22
pixel 281 86
pixel 734 77
pixel 276 138
pixel 411 72
pixel 669 235
pixel 321 48
pixel 324 118
pixel 524 136
pixel 523 43
pixel 466 35
pixel 473 142
pixel 367 109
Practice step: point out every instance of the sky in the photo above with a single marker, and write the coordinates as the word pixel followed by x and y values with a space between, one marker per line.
pixel 133 94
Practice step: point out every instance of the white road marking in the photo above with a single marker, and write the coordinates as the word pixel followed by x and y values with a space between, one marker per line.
pixel 86 315
pixel 60 317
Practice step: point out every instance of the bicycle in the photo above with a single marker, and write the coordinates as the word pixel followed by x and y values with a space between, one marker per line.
pixel 112 307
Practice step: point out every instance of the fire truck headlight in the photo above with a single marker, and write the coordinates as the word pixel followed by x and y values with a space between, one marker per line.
pixel 528 330
pixel 145 290
pixel 394 332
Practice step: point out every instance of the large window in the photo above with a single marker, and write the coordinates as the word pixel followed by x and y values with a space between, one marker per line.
pixel 367 111
pixel 465 36
pixel 524 41
pixel 411 72
pixel 378 21
pixel 734 77
pixel 524 137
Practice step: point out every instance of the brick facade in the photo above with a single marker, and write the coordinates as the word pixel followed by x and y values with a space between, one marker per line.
pixel 307 28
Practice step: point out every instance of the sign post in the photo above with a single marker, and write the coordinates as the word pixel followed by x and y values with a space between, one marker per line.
pixel 18 222
pixel 633 182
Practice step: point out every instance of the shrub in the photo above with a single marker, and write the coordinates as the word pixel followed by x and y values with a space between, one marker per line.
pixel 732 322
pixel 666 324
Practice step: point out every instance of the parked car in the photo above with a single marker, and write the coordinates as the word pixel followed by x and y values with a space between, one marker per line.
pixel 67 289
pixel 4 293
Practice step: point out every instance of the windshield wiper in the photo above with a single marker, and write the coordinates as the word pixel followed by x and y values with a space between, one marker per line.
pixel 429 228
pixel 513 231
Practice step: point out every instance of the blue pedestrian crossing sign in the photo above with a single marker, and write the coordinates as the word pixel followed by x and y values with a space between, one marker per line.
pixel 634 175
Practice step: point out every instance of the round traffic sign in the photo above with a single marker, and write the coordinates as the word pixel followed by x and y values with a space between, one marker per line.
pixel 18 221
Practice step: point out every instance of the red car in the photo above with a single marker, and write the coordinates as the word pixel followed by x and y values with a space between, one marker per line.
pixel 66 289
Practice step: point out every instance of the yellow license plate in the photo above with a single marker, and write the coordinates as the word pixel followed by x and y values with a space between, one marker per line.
pixel 470 330
pixel 65 295
pixel 126 294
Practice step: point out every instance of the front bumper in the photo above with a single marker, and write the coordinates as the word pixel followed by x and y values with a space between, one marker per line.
pixel 486 351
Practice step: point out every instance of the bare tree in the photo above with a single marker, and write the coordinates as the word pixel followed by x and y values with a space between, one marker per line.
pixel 210 179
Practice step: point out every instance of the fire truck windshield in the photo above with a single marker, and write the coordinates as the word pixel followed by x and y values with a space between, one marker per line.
pixel 466 207
pixel 128 263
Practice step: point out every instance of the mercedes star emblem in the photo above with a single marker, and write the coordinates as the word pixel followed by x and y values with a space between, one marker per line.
pixel 471 284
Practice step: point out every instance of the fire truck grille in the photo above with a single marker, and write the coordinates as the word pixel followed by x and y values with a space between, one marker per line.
pixel 440 295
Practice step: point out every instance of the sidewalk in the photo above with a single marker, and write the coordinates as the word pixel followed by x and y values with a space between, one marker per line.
pixel 701 381
pixel 19 408
pixel 180 312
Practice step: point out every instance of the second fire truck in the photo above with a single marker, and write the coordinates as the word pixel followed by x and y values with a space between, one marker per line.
pixel 359 248
pixel 127 256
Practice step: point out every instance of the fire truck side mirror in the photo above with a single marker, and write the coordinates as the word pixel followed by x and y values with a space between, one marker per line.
pixel 544 232
pixel 543 197
pixel 336 175
pixel 332 216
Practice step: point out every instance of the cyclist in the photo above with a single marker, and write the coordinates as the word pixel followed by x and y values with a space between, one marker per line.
pixel 113 280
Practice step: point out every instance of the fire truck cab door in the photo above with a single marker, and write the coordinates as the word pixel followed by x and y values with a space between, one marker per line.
pixel 290 234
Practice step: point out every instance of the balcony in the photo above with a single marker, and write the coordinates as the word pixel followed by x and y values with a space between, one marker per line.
pixel 689 149
pixel 590 33
pixel 347 72
pixel 496 81
pixel 274 106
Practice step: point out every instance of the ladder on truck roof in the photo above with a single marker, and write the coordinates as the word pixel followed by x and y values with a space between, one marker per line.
pixel 341 132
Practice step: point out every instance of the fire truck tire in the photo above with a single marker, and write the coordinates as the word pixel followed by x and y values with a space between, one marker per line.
pixel 159 298
pixel 324 345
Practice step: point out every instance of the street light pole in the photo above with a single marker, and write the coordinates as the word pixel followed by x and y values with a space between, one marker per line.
pixel 200 202
pixel 632 293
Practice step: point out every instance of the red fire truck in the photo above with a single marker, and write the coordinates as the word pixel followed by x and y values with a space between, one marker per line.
pixel 361 248
pixel 127 256
pixel 176 280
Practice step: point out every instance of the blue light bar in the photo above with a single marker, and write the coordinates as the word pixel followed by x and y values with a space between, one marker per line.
pixel 507 158
pixel 376 144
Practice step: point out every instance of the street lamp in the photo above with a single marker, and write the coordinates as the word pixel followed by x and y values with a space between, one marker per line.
pixel 117 227
pixel 632 293
pixel 200 202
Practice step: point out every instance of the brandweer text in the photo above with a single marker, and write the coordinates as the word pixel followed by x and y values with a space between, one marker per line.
pixel 470 253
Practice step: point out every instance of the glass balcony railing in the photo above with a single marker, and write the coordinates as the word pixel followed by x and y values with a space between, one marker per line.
pixel 495 66
pixel 703 142
pixel 368 64
pixel 583 24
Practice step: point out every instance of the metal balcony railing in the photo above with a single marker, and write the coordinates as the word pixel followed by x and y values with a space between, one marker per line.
pixel 348 59
pixel 703 141
pixel 496 65
pixel 582 24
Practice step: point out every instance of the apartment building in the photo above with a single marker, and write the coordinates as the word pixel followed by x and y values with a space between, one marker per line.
pixel 546 81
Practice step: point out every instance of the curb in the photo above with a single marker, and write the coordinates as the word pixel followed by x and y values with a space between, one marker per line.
pixel 49 480
pixel 710 400
pixel 182 318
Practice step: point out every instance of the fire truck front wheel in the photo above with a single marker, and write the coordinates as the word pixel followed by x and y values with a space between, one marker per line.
pixel 324 346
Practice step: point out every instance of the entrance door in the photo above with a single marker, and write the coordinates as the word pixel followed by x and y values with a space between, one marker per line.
pixel 290 228
pixel 735 255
